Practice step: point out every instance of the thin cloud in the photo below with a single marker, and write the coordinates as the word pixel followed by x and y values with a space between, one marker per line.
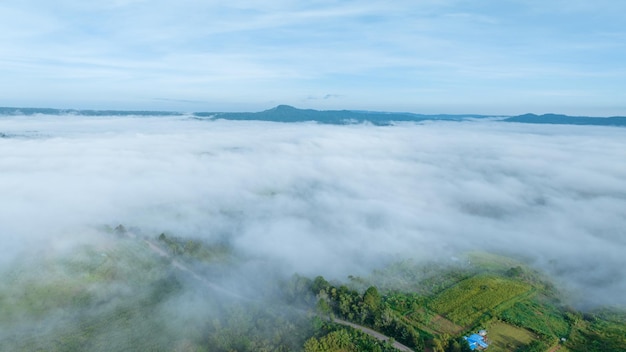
pixel 136 50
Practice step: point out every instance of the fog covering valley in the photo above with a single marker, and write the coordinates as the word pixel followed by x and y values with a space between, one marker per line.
pixel 303 198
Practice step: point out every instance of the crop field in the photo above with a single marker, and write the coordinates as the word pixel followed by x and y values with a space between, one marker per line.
pixel 466 302
pixel 541 319
pixel 444 325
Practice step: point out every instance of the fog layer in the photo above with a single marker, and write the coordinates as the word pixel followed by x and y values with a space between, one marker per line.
pixel 329 200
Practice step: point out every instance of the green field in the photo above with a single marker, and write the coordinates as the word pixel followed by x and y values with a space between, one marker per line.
pixel 471 299
pixel 505 337
pixel 542 319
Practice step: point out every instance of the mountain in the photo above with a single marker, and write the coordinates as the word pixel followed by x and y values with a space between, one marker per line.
pixel 568 120
pixel 50 111
pixel 286 113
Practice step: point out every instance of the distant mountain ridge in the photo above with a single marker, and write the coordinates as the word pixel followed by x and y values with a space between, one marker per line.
pixel 4 111
pixel 287 113
pixel 569 120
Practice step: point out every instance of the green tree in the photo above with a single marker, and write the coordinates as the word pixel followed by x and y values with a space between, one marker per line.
pixel 319 284
pixel 372 299
pixel 336 341
pixel 454 346
pixel 535 346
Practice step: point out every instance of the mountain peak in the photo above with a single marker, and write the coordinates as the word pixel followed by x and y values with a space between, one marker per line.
pixel 284 107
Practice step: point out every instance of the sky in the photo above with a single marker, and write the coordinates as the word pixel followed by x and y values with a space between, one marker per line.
pixel 323 199
pixel 426 56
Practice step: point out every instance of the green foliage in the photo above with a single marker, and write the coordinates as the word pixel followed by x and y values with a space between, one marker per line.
pixel 542 319
pixel 335 341
pixel 598 334
pixel 297 291
pixel 195 249
pixel 405 303
pixel 119 297
pixel 535 346
pixel 421 278
pixel 371 299
pixel 319 284
pixel 506 337
pixel 368 309
pixel 455 346
pixel 91 299
pixel 249 326
pixel 515 272
pixel 334 338
pixel 476 297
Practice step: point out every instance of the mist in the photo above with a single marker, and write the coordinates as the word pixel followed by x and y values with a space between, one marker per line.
pixel 322 199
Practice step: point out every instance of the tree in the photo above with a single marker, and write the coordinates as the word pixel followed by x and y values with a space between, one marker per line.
pixel 437 345
pixel 336 341
pixel 454 346
pixel 371 299
pixel 319 284
pixel 535 346
pixel 515 272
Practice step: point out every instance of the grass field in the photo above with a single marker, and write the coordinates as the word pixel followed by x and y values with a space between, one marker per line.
pixel 506 337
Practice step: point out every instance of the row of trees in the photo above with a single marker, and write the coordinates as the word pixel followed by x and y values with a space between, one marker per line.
pixel 343 339
pixel 369 309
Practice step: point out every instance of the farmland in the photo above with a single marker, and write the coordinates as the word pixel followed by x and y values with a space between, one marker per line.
pixel 518 306
pixel 471 299
pixel 506 337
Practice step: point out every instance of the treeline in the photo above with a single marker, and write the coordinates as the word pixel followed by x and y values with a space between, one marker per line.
pixel 331 337
pixel 369 309
pixel 195 249
pixel 254 327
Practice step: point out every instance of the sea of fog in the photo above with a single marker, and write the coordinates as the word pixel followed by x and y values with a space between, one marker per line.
pixel 327 199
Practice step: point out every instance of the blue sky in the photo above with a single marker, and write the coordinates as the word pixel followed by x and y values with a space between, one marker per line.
pixel 445 56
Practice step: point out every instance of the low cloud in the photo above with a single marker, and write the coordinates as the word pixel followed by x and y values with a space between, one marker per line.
pixel 329 200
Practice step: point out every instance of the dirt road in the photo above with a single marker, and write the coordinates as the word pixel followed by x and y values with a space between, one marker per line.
pixel 397 345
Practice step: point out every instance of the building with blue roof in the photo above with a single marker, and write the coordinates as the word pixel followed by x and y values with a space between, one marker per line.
pixel 476 342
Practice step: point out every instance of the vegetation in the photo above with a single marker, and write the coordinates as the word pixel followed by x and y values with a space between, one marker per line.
pixel 476 297
pixel 171 294
pixel 336 338
pixel 543 319
pixel 505 337
pixel 195 249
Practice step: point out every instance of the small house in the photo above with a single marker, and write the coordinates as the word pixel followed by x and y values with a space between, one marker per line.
pixel 477 341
